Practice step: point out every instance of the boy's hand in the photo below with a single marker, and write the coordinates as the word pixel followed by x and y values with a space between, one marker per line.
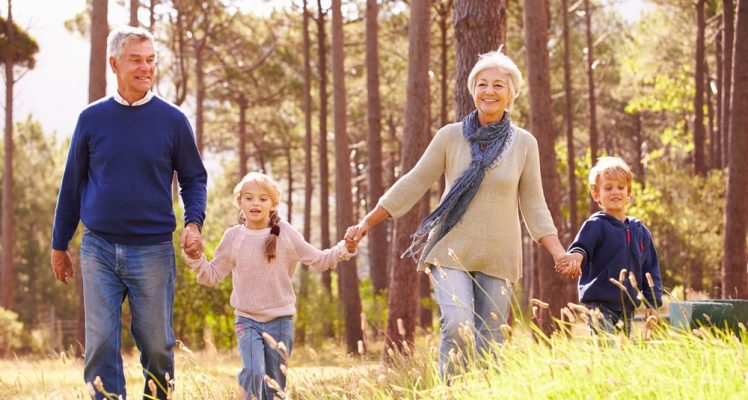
pixel 570 265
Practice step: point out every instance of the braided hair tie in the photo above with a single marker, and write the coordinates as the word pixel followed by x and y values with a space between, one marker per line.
pixel 275 230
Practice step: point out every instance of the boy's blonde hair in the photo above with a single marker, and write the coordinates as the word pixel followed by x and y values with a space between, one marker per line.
pixel 271 187
pixel 611 168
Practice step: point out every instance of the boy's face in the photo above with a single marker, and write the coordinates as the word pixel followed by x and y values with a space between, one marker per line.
pixel 613 196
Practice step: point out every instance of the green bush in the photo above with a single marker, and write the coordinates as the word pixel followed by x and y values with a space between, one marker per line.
pixel 10 332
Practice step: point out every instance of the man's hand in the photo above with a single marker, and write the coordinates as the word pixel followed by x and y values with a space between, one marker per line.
pixel 62 265
pixel 191 241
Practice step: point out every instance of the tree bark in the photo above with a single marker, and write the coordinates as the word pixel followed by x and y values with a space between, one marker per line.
pixel 728 30
pixel 404 288
pixel 734 275
pixel 8 282
pixel 324 185
pixel 591 90
pixel 471 17
pixel 348 278
pixel 557 292
pixel 98 58
pixel 569 120
pixel 699 131
pixel 243 157
pixel 378 234
pixel 720 129
pixel 134 4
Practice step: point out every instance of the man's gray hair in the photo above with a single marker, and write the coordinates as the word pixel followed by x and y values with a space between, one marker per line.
pixel 119 37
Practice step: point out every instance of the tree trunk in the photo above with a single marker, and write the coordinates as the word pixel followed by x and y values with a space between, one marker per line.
pixel 728 19
pixel 98 59
pixel 591 90
pixel 199 97
pixel 639 149
pixel 734 276
pixel 304 279
pixel 569 117
pixel 324 185
pixel 243 105
pixel 378 234
pixel 557 292
pixel 8 282
pixel 699 131
pixel 347 276
pixel 404 288
pixel 720 129
pixel 443 10
pixel 134 4
pixel 711 132
pixel 471 17
pixel 425 305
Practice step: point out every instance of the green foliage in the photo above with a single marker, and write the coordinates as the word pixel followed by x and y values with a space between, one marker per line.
pixel 10 332
pixel 24 46
pixel 684 213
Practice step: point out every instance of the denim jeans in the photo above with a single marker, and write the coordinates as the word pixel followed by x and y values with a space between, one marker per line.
pixel 145 276
pixel 610 319
pixel 469 298
pixel 259 358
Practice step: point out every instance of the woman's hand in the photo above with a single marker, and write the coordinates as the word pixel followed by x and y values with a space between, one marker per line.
pixel 357 232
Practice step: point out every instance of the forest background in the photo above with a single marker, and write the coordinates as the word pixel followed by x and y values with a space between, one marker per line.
pixel 324 102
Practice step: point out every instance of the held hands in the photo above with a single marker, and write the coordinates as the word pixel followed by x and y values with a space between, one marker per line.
pixel 350 244
pixel 191 241
pixel 62 265
pixel 357 232
pixel 570 264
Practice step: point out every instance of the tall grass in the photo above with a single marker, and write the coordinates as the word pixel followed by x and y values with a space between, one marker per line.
pixel 704 364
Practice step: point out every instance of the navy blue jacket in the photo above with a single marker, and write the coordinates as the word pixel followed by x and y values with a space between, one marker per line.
pixel 608 246
pixel 119 172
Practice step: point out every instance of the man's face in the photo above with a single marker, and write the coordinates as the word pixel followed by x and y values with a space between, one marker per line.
pixel 135 69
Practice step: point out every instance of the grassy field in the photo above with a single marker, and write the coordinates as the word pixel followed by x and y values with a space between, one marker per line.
pixel 670 365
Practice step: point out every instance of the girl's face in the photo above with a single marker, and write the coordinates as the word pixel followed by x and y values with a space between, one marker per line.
pixel 256 204
pixel 613 196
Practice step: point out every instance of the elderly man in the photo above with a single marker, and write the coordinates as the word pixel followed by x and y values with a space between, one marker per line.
pixel 117 181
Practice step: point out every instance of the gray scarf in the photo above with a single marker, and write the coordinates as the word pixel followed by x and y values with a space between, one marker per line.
pixel 487 143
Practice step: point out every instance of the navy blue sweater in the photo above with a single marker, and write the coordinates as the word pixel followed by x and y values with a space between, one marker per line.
pixel 608 246
pixel 119 172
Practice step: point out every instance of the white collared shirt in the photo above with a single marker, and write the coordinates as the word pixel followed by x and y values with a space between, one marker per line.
pixel 121 100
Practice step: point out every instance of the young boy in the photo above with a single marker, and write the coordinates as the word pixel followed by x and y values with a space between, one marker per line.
pixel 608 243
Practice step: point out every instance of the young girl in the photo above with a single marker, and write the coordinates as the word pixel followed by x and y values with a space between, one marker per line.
pixel 262 252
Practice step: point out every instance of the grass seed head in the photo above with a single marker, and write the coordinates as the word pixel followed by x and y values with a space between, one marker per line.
pixel 650 281
pixel 270 340
pixel 622 275
pixel 633 280
pixel 401 327
pixel 539 303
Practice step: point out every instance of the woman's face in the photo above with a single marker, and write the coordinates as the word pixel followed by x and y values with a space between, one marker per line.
pixel 491 94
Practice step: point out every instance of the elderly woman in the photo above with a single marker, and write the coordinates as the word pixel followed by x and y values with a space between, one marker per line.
pixel 472 241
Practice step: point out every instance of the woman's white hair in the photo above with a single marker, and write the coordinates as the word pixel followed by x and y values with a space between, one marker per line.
pixel 119 37
pixel 497 59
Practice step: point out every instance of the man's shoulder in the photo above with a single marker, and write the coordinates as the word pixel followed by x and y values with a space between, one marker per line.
pixel 98 106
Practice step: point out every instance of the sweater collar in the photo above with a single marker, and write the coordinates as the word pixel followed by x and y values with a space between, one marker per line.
pixel 121 100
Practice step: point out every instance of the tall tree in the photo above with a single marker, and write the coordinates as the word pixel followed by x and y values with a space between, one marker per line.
pixel 734 276
pixel 444 9
pixel 308 138
pixel 404 288
pixel 717 145
pixel 569 122
pixel 557 292
pixel 348 277
pixel 699 131
pixel 134 5
pixel 324 183
pixel 97 62
pixel 471 19
pixel 591 88
pixel 17 48
pixel 378 235
pixel 728 32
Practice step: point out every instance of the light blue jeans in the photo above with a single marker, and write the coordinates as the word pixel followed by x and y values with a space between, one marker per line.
pixel 469 298
pixel 259 358
pixel 145 276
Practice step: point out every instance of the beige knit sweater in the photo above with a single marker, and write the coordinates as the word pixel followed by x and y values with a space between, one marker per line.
pixel 488 238
pixel 263 290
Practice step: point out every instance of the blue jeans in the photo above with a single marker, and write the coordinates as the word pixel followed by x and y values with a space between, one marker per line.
pixel 610 319
pixel 145 276
pixel 469 299
pixel 259 358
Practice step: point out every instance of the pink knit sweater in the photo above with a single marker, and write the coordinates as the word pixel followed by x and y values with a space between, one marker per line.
pixel 263 290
